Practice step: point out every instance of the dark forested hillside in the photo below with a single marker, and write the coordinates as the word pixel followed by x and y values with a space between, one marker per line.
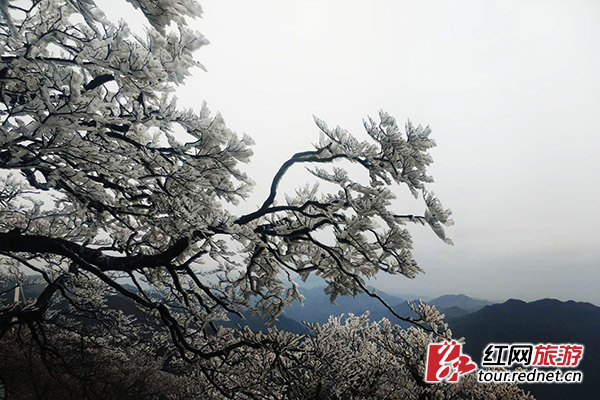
pixel 542 321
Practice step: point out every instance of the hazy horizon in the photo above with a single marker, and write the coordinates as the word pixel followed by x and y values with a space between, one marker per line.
pixel 510 89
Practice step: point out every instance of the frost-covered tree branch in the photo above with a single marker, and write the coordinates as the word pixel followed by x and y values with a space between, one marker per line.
pixel 107 188
pixel 115 182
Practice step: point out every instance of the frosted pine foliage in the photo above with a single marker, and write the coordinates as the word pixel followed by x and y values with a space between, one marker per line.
pixel 348 357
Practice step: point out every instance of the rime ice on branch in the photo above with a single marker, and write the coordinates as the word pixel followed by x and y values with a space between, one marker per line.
pixel 109 188
pixel 111 181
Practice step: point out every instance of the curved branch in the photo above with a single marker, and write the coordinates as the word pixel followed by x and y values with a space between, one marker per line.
pixel 305 156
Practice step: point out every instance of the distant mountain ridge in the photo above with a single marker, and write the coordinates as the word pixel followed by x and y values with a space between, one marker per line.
pixel 461 301
pixel 318 308
pixel 454 312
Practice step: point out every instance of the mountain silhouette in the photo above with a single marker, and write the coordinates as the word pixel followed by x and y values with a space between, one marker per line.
pixel 317 306
pixel 453 313
pixel 462 301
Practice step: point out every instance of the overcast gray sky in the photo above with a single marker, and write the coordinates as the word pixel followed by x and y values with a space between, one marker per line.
pixel 511 90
